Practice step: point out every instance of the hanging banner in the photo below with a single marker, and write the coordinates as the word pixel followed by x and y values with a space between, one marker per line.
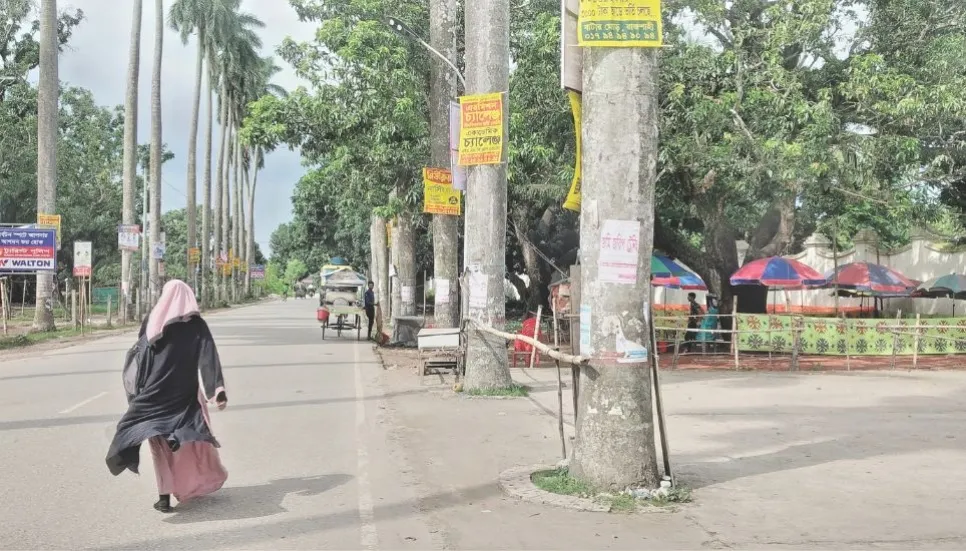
pixel 573 196
pixel 50 222
pixel 128 237
pixel 439 197
pixel 481 130
pixel 28 250
pixel 620 24
pixel 82 258
pixel 459 172
pixel 257 271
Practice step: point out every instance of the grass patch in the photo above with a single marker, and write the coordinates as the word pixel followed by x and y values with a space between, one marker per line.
pixel 559 481
pixel 32 338
pixel 512 391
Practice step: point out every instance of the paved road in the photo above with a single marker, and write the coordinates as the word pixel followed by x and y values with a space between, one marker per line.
pixel 309 465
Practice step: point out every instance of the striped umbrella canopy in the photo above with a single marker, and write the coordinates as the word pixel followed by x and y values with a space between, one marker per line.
pixel 871 278
pixel 778 272
pixel 688 282
pixel 950 285
pixel 663 267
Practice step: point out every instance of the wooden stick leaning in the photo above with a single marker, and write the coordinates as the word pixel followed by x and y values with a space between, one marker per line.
pixel 560 419
pixel 548 351
pixel 536 335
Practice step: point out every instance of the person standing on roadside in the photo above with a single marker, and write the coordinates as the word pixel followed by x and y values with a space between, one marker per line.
pixel 370 304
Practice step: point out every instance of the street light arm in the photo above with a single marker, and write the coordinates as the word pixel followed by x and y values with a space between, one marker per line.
pixel 401 29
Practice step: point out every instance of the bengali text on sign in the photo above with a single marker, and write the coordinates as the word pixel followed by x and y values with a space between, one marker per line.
pixel 439 197
pixel 481 130
pixel 28 250
pixel 620 24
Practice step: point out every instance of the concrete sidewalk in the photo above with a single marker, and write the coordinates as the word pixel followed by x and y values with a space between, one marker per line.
pixel 775 460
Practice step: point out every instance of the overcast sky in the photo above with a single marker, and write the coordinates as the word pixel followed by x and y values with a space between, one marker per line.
pixel 96 59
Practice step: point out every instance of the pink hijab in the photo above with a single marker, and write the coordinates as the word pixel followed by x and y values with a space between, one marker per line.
pixel 177 303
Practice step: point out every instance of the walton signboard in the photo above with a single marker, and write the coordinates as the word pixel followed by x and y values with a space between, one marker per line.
pixel 28 250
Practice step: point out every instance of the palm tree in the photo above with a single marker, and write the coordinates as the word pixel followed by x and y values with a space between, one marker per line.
pixel 130 147
pixel 48 92
pixel 188 17
pixel 156 147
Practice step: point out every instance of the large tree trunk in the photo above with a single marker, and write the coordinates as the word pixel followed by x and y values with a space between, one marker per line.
pixel 442 36
pixel 47 119
pixel 615 431
pixel 130 151
pixel 531 297
pixel 156 145
pixel 206 197
pixel 405 239
pixel 236 221
pixel 220 246
pixel 226 205
pixel 243 232
pixel 381 247
pixel 488 71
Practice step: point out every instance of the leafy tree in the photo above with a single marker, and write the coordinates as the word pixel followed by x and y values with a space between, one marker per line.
pixel 294 271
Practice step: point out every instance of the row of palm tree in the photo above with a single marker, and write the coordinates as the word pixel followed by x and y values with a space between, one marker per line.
pixel 230 69
pixel 228 55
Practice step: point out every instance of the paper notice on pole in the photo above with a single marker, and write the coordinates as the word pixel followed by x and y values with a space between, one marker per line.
pixel 408 293
pixel 619 248
pixel 477 286
pixel 442 291
pixel 585 346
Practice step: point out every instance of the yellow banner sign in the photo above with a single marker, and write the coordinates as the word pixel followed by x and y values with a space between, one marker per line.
pixel 573 197
pixel 439 197
pixel 620 24
pixel 50 222
pixel 194 255
pixel 481 130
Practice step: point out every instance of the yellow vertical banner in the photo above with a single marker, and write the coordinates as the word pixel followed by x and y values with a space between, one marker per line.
pixel 439 197
pixel 573 196
pixel 620 24
pixel 50 222
pixel 481 130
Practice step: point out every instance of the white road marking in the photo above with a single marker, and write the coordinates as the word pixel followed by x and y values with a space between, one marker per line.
pixel 82 404
pixel 370 538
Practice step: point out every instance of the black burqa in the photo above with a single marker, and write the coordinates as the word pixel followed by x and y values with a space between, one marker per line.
pixel 167 400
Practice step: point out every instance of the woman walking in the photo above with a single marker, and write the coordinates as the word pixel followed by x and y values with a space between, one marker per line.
pixel 167 402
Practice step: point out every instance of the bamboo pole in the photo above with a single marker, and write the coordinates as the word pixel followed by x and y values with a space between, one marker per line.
pixel 895 339
pixel 915 343
pixel 734 330
pixel 3 304
pixel 677 348
pixel 796 339
pixel 566 358
pixel 848 353
pixel 23 298
pixel 560 419
pixel 536 335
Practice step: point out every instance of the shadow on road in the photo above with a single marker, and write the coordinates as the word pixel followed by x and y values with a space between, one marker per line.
pixel 247 502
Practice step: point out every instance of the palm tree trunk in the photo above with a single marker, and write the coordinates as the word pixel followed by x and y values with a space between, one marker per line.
pixel 243 231
pixel 156 152
pixel 234 215
pixel 250 242
pixel 47 120
pixel 191 191
pixel 206 201
pixel 226 205
pixel 130 150
pixel 220 248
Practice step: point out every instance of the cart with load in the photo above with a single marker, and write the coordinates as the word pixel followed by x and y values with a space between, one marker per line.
pixel 340 302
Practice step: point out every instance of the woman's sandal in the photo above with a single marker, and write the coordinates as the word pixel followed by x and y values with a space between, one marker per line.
pixel 164 505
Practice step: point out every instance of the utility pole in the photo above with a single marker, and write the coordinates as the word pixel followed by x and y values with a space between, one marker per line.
pixel 442 89
pixel 487 71
pixel 615 445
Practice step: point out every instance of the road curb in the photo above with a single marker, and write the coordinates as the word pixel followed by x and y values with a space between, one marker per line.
pixel 516 483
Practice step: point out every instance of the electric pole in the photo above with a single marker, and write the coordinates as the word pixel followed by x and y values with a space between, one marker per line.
pixel 615 445
pixel 487 71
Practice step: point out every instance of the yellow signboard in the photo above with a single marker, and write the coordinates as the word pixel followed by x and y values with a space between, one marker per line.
pixel 194 255
pixel 389 234
pixel 50 222
pixel 439 197
pixel 573 197
pixel 481 130
pixel 620 24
